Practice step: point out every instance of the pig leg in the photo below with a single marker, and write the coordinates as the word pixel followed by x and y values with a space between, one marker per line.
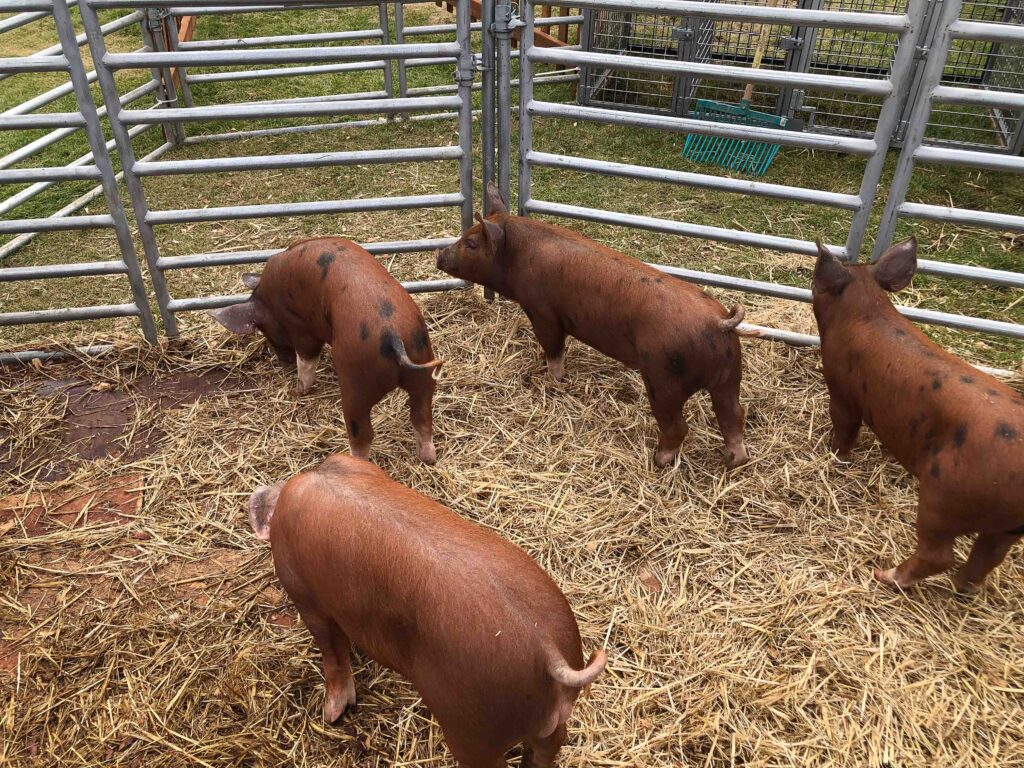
pixel 552 340
pixel 421 394
pixel 725 400
pixel 846 420
pixel 334 646
pixel 988 552
pixel 307 373
pixel 667 403
pixel 934 550
pixel 541 753
pixel 355 406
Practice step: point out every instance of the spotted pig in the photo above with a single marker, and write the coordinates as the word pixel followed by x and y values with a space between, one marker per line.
pixel 959 431
pixel 680 338
pixel 332 291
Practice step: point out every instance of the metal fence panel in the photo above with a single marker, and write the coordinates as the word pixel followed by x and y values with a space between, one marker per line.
pixel 95 165
pixel 271 54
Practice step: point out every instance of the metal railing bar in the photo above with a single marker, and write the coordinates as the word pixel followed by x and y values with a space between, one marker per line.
pixel 315 208
pixel 304 160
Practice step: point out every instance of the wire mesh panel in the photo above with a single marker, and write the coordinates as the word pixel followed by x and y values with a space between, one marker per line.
pixel 634 34
pixel 850 52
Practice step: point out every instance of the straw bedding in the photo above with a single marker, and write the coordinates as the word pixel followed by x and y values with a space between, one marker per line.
pixel 143 626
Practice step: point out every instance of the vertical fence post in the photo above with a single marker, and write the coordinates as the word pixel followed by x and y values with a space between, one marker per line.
pixel 503 74
pixel 403 85
pixel 935 63
pixel 464 78
pixel 900 77
pixel 155 21
pixel 799 47
pixel 98 145
pixel 487 95
pixel 385 38
pixel 98 49
pixel 180 72
pixel 525 97
pixel 586 44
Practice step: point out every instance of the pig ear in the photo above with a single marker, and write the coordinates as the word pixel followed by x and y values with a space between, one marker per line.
pixel 495 234
pixel 494 202
pixel 261 509
pixel 238 318
pixel 830 276
pixel 250 280
pixel 895 268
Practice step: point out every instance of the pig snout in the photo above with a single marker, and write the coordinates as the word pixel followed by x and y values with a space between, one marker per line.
pixel 445 259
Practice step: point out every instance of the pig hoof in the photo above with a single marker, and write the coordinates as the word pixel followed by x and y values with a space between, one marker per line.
pixel 737 459
pixel 335 706
pixel 665 458
pixel 556 368
pixel 964 587
pixel 428 454
pixel 887 577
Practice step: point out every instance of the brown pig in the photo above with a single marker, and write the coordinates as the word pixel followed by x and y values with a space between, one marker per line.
pixel 959 431
pixel 680 338
pixel 332 291
pixel 483 633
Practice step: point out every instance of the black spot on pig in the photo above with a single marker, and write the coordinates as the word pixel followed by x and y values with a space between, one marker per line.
pixel 355 428
pixel 387 309
pixel 900 332
pixel 387 344
pixel 645 280
pixel 364 332
pixel 967 379
pixel 676 364
pixel 936 384
pixel 1005 431
pixel 419 339
pixel 324 263
pixel 916 422
pixel 960 435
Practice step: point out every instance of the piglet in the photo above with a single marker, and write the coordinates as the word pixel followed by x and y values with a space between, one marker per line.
pixel 332 291
pixel 680 338
pixel 959 431
pixel 484 634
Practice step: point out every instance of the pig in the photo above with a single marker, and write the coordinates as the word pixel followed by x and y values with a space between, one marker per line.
pixel 959 431
pixel 680 338
pixel 332 291
pixel 483 633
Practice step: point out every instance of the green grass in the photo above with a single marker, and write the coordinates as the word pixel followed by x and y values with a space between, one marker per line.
pixel 971 189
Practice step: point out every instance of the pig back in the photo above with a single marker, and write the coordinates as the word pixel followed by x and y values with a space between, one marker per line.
pixel 465 615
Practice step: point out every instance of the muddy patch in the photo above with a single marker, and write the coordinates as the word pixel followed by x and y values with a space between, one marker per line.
pixel 95 421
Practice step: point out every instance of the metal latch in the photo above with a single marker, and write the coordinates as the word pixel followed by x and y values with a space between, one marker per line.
pixel 790 42
pixel 682 34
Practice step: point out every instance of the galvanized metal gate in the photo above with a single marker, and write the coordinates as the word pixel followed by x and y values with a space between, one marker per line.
pixel 890 89
pixel 94 166
pixel 171 62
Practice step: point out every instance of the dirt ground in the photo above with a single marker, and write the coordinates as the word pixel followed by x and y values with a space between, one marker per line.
pixel 142 624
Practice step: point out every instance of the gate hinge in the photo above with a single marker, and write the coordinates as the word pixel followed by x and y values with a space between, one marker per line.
pixel 921 52
pixel 467 65
pixel 505 19
pixel 790 42
pixel 682 34
pixel 155 17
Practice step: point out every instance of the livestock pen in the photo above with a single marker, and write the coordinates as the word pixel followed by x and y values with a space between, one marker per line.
pixel 142 623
